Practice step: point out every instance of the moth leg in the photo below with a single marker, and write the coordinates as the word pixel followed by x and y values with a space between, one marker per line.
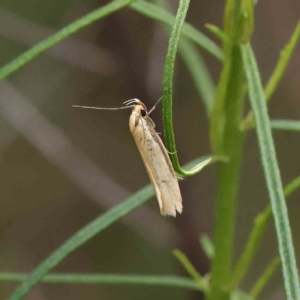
pixel 172 153
pixel 152 109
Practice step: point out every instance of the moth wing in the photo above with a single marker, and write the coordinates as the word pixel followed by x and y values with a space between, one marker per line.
pixel 159 168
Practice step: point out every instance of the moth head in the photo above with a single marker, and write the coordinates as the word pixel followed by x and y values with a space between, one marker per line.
pixel 138 106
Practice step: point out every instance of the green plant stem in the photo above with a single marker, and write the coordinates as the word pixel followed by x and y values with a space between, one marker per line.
pixel 261 282
pixel 67 31
pixel 257 232
pixel 242 266
pixel 207 246
pixel 168 84
pixel 159 14
pixel 285 125
pixel 167 91
pixel 228 180
pixel 272 175
pixel 292 186
pixel 112 279
pixel 282 63
pixel 277 74
pixel 202 283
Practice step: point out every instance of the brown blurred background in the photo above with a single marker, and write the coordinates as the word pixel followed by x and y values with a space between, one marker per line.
pixel 61 167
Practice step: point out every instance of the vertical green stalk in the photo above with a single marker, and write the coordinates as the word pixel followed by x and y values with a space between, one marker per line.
pixel 228 179
pixel 227 139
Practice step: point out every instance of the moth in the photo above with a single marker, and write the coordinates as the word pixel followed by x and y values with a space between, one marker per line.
pixel 154 155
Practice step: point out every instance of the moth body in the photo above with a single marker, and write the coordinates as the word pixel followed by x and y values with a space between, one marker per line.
pixel 155 156
pixel 156 160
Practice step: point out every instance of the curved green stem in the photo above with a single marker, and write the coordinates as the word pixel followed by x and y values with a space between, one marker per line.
pixel 167 92
pixel 263 279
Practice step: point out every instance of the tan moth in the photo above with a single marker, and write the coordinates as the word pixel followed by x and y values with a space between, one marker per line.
pixel 155 156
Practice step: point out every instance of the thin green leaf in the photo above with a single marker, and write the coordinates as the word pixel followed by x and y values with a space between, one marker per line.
pixel 277 74
pixel 272 175
pixel 285 125
pixel 159 14
pixel 261 282
pixel 207 245
pixel 282 63
pixel 218 32
pixel 292 187
pixel 168 85
pixel 81 237
pixel 111 279
pixel 202 283
pixel 257 232
pixel 200 74
pixel 253 242
pixel 191 57
pixel 67 31
pixel 167 92
pixel 240 295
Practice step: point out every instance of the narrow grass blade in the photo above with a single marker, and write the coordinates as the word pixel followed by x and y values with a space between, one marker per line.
pixel 277 74
pixel 272 175
pixel 257 232
pixel 70 29
pixel 167 91
pixel 282 63
pixel 285 125
pixel 240 295
pixel 261 282
pixel 217 32
pixel 111 279
pixel 159 14
pixel 292 186
pixel 199 72
pixel 253 242
pixel 81 237
pixel 202 283
pixel 207 246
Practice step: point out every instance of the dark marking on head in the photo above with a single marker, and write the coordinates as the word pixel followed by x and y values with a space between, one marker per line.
pixel 143 112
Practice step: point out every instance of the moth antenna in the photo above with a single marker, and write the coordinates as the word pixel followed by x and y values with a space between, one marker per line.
pixel 134 100
pixel 152 109
pixel 131 102
pixel 104 108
